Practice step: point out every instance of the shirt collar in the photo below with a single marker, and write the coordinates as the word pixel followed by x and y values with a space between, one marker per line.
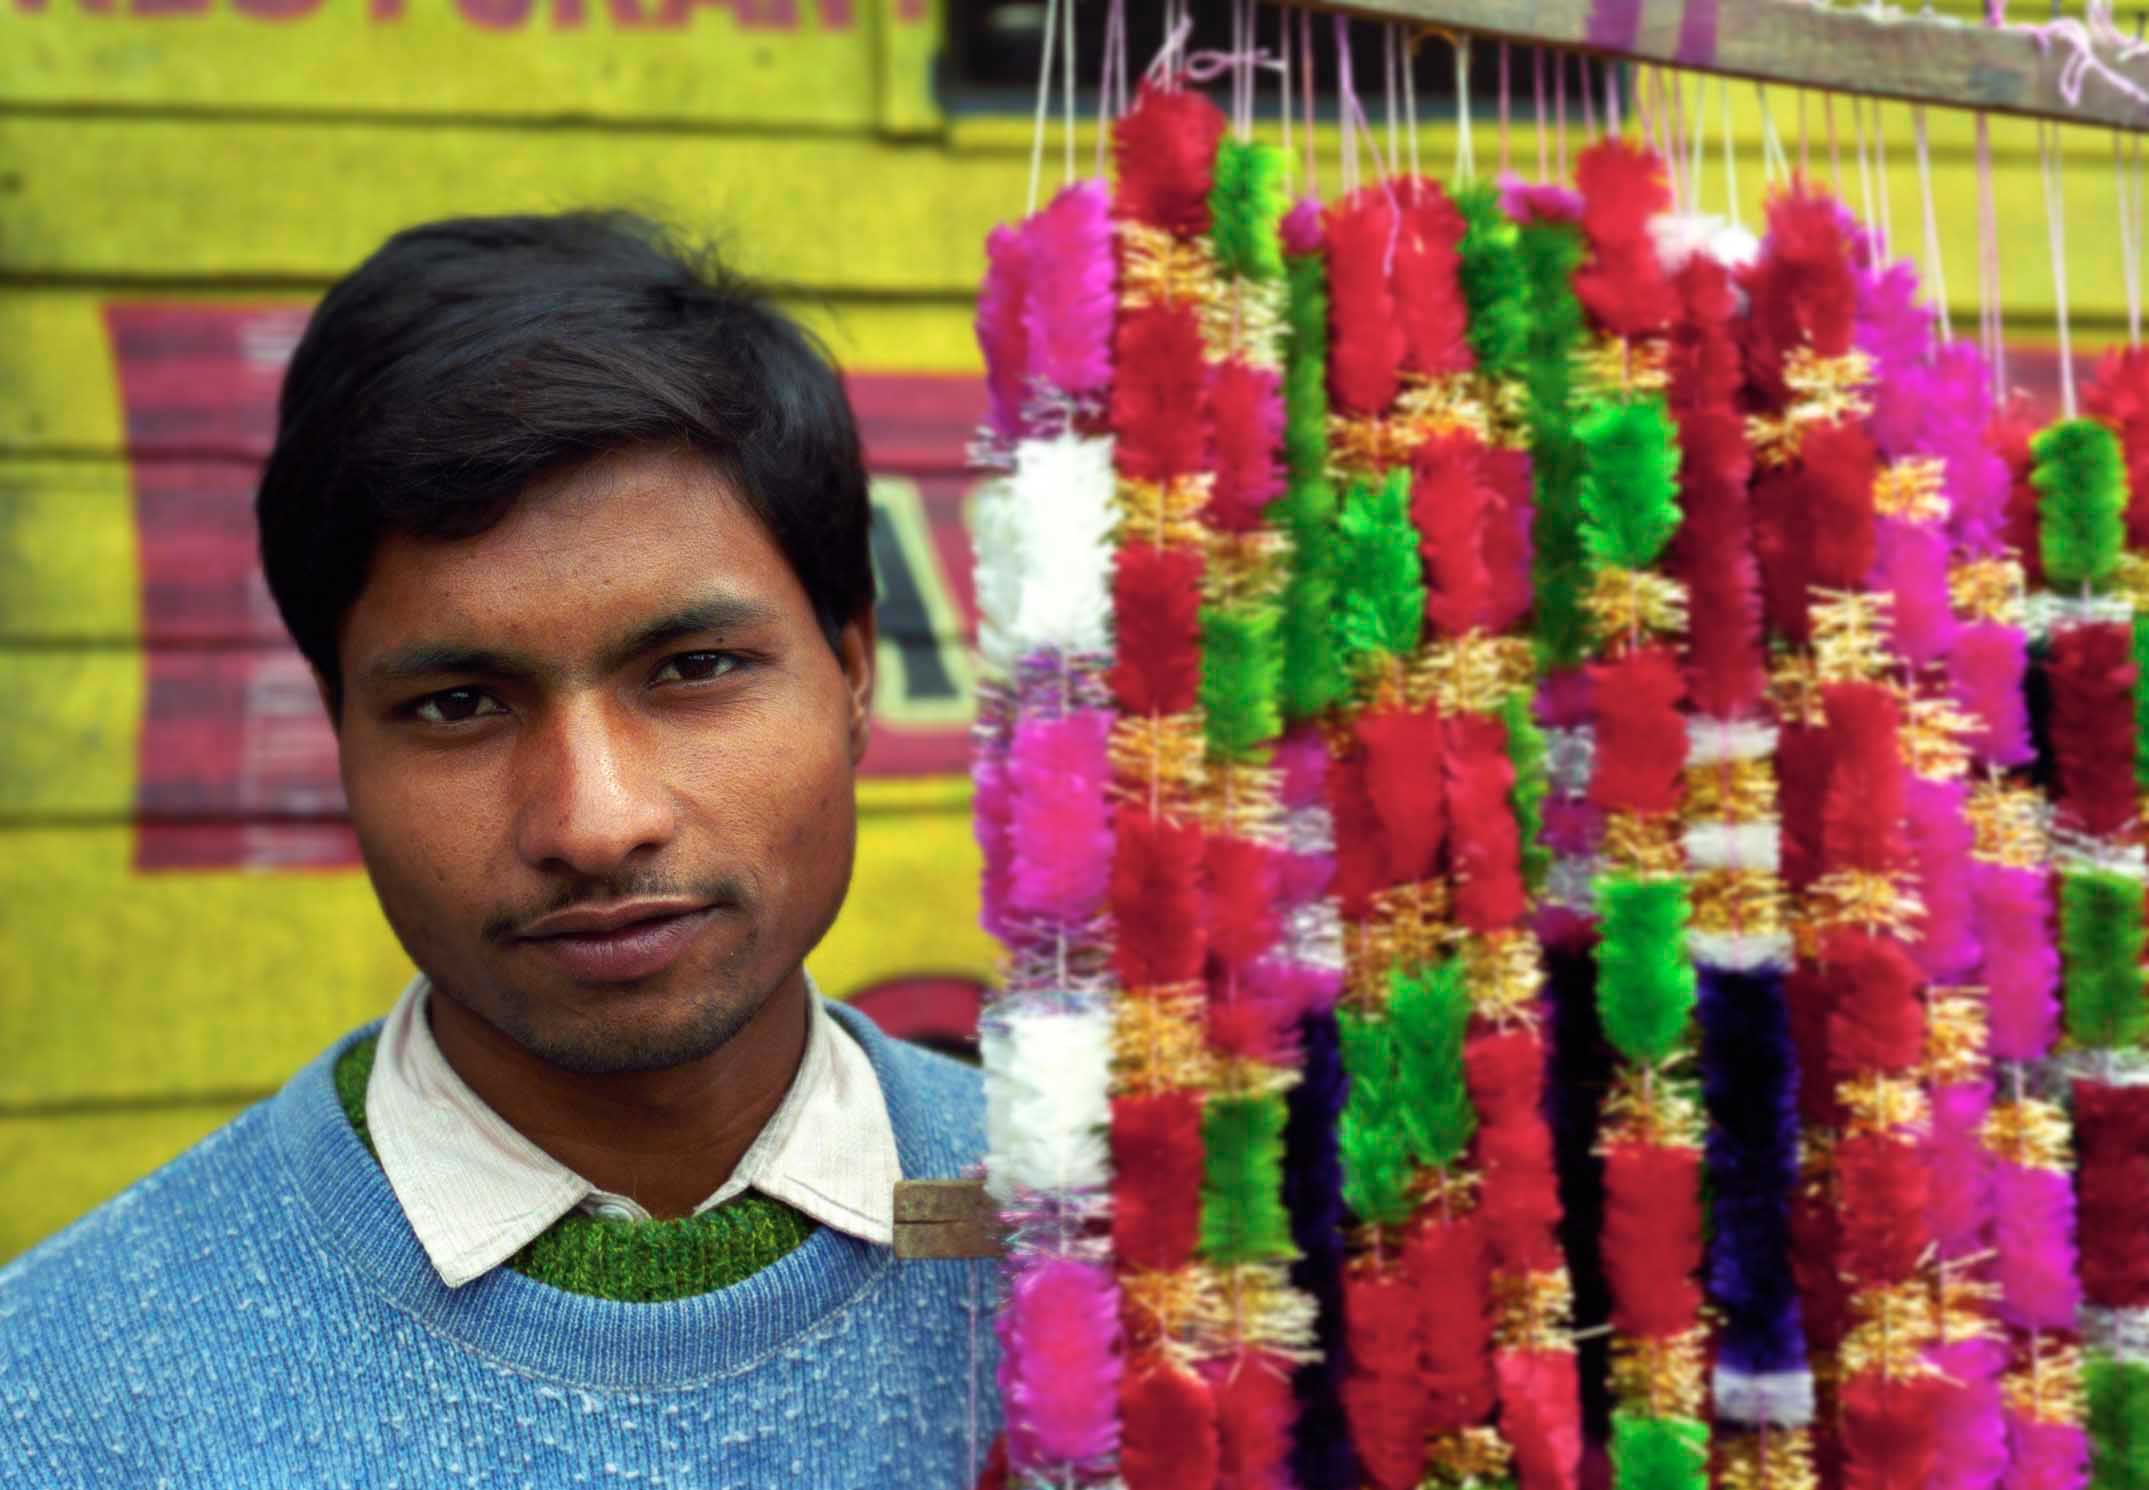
pixel 476 1191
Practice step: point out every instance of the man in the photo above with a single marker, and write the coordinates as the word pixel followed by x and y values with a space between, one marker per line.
pixel 572 527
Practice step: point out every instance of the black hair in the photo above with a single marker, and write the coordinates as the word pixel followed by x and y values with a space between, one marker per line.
pixel 465 358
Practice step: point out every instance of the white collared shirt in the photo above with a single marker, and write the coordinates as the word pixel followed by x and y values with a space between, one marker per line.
pixel 476 1191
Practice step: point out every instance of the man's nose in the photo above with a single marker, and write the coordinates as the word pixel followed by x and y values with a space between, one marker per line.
pixel 591 794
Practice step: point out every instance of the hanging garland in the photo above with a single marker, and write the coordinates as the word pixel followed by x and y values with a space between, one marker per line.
pixel 1044 828
pixel 1246 750
pixel 1160 416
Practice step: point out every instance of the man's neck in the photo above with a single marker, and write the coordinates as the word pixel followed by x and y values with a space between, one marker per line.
pixel 667 1139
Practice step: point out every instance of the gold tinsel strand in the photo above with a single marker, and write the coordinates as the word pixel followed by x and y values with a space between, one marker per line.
pixel 1988 590
pixel 1612 366
pixel 1471 674
pixel 1742 791
pixel 1794 683
pixel 1738 902
pixel 1160 756
pixel 1875 1102
pixel 1911 489
pixel 1416 916
pixel 1827 389
pixel 1452 1192
pixel 2007 825
pixel 1157 1039
pixel 1361 449
pixel 2130 578
pixel 1894 1327
pixel 1470 1456
pixel 1935 737
pixel 1246 568
pixel 1504 971
pixel 2047 1387
pixel 1872 899
pixel 1662 1376
pixel 1778 1459
pixel 1163 514
pixel 2031 1132
pixel 1159 1310
pixel 1507 401
pixel 1646 845
pixel 1156 268
pixel 1444 405
pixel 1531 1311
pixel 1850 634
pixel 1242 799
pixel 1241 1076
pixel 1965 1308
pixel 1369 960
pixel 1244 322
pixel 1632 602
pixel 1955 1027
pixel 1252 1306
pixel 1647 1107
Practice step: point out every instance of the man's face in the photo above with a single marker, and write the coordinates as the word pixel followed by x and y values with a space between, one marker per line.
pixel 600 761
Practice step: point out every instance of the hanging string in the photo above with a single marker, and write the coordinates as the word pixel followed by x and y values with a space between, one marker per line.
pixel 1242 75
pixel 1238 67
pixel 1410 104
pixel 1544 136
pixel 1991 330
pixel 1865 176
pixel 1805 165
pixel 1559 76
pixel 1115 50
pixel 1731 157
pixel 1880 184
pixel 1611 100
pixel 1835 156
pixel 1164 69
pixel 1044 99
pixel 1935 269
pixel 1583 71
pixel 1776 165
pixel 1067 82
pixel 1697 139
pixel 1305 89
pixel 1503 106
pixel 2128 186
pixel 1389 88
pixel 2050 161
pixel 1283 99
pixel 1349 105
pixel 1649 114
pixel 1465 147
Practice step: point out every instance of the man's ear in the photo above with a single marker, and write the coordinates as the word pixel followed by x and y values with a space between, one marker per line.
pixel 856 647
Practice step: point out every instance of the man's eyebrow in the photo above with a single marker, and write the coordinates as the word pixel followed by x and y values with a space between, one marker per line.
pixel 433 659
pixel 717 614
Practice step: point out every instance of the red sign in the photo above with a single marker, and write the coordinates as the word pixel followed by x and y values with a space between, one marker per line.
pixel 237 762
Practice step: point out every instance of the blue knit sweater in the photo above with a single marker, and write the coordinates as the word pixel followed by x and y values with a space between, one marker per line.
pixel 259 1313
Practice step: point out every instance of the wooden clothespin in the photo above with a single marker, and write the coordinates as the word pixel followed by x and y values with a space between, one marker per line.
pixel 946 1218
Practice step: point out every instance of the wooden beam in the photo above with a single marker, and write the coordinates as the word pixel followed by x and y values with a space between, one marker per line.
pixel 944 1219
pixel 1915 58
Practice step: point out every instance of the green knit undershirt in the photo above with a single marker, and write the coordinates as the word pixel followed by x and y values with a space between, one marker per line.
pixel 630 1262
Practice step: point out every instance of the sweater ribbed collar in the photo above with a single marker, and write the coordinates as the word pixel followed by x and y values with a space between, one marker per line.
pixel 526 1325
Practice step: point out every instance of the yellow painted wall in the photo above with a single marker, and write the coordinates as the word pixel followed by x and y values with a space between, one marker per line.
pixel 252 150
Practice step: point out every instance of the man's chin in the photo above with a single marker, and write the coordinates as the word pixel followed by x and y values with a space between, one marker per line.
pixel 635 1027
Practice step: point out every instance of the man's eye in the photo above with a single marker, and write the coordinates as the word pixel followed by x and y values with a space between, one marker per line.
pixel 456 705
pixel 695 667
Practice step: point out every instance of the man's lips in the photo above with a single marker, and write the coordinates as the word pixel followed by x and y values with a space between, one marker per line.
pixel 619 943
